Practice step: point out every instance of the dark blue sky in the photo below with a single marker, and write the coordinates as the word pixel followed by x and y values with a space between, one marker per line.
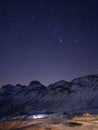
pixel 47 40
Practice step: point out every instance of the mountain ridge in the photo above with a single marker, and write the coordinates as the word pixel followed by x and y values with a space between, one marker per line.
pixel 70 97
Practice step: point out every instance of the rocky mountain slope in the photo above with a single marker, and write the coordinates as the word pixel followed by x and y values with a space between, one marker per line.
pixel 77 96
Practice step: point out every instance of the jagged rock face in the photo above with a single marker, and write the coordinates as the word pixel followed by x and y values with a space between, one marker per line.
pixel 79 94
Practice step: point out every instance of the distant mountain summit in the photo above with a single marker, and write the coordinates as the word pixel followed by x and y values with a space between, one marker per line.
pixel 75 97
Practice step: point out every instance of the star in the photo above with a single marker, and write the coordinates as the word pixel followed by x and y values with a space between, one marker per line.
pixel 51 9
pixel 60 40
pixel 76 40
pixel 17 35
pixel 33 17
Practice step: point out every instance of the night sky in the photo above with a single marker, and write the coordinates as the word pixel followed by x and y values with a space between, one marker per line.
pixel 47 40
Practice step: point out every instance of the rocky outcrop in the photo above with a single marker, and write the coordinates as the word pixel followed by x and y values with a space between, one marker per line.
pixel 78 95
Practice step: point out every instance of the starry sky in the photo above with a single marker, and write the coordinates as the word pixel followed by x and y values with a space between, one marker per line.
pixel 47 40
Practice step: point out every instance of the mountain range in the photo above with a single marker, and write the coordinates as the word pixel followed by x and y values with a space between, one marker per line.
pixel 75 97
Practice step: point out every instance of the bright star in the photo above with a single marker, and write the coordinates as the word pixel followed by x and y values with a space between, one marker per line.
pixel 60 40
